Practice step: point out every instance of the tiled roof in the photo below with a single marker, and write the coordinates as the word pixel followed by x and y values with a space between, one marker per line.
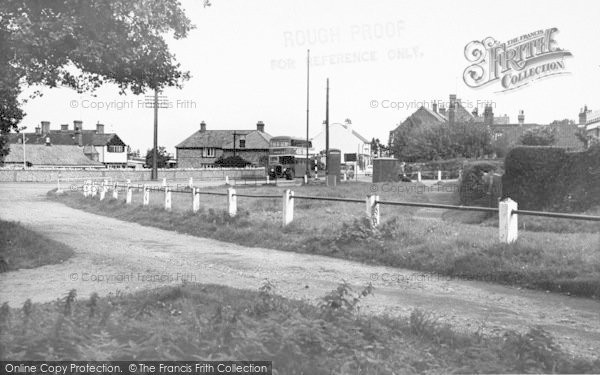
pixel 254 141
pixel 55 155
pixel 218 138
pixel 67 137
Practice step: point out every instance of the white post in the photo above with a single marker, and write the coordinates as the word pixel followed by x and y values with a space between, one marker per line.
pixel 373 210
pixel 129 196
pixel 191 183
pixel 94 189
pixel 195 200
pixel 439 175
pixel 267 179
pixel 146 200
pixel 103 190
pixel 345 177
pixel 226 180
pixel 115 194
pixel 419 176
pixel 231 202
pixel 288 207
pixel 305 179
pixel 58 189
pixel 508 228
pixel 167 199
pixel 164 182
pixel 460 174
pixel 85 189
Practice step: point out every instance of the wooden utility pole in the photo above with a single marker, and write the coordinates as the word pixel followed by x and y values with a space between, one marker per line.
pixel 327 130
pixel 307 108
pixel 154 176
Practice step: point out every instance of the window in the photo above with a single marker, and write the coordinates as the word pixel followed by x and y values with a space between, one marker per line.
pixel 242 143
pixel 208 152
pixel 113 148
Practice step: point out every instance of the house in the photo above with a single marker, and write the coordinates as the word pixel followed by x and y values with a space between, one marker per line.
pixel 345 138
pixel 591 121
pixel 502 130
pixel 106 148
pixel 204 147
pixel 48 156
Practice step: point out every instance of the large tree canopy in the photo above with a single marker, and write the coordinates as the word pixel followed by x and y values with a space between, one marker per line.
pixel 83 44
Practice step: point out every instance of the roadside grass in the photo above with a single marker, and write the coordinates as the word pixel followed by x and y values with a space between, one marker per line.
pixel 23 248
pixel 565 262
pixel 201 322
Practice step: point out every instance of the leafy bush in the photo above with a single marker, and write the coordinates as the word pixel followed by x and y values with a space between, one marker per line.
pixel 474 189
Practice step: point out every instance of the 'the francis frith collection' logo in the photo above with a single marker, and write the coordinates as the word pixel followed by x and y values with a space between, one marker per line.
pixel 515 63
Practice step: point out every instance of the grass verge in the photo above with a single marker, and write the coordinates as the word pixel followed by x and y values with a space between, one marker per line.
pixel 568 263
pixel 24 248
pixel 198 322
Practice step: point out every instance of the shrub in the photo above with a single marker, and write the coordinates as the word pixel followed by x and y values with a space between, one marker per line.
pixel 474 190
pixel 232 162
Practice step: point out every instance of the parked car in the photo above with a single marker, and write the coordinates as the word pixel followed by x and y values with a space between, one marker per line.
pixel 369 170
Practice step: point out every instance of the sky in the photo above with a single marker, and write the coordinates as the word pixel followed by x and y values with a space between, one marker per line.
pixel 383 60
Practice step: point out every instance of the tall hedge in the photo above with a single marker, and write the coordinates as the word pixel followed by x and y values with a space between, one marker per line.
pixel 539 178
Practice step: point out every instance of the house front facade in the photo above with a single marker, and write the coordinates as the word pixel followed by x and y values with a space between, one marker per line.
pixel 354 147
pixel 204 147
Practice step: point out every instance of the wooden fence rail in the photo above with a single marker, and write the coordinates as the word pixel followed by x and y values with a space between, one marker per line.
pixel 507 210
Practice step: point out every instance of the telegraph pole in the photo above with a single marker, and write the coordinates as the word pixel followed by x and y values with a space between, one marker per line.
pixel 327 131
pixel 154 176
pixel 307 108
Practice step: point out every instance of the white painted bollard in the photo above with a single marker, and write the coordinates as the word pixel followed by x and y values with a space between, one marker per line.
pixel 345 177
pixel 373 210
pixel 508 222
pixel 103 190
pixel 226 180
pixel 267 179
pixel 231 202
pixel 129 196
pixel 439 175
pixel 305 179
pixel 167 199
pixel 115 194
pixel 191 183
pixel 94 189
pixel 195 200
pixel 59 190
pixel 146 200
pixel 288 207
pixel 85 189
pixel 419 176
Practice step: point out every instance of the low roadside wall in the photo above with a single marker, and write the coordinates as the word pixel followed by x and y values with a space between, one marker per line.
pixel 200 174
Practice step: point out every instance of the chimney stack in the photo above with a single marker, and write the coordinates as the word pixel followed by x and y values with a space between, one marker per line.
pixel 38 130
pixel 45 127
pixel 452 109
pixel 521 117
pixel 443 111
pixel 583 116
pixel 202 127
pixel 260 126
pixel 99 128
pixel 488 115
pixel 64 127
pixel 434 106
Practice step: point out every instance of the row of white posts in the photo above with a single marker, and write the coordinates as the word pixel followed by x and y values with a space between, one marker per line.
pixel 508 220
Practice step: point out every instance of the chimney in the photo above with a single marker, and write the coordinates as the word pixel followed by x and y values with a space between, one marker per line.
pixel 48 141
pixel 64 127
pixel 488 115
pixel 99 128
pixel 443 111
pixel 434 106
pixel 475 112
pixel 452 109
pixel 583 116
pixel 38 130
pixel 45 127
pixel 202 127
pixel 260 126
pixel 78 125
pixel 521 117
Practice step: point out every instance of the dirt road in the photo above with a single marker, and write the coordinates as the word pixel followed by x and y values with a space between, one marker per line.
pixel 113 255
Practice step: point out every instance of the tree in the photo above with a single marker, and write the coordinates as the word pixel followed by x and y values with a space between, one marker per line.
pixel 539 136
pixel 84 44
pixel 161 159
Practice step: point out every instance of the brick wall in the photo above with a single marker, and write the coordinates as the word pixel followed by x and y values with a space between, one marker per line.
pixel 51 175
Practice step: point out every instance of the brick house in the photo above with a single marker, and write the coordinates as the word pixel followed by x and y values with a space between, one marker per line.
pixel 204 147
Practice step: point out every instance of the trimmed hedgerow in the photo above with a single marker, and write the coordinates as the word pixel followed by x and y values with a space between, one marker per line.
pixel 474 190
